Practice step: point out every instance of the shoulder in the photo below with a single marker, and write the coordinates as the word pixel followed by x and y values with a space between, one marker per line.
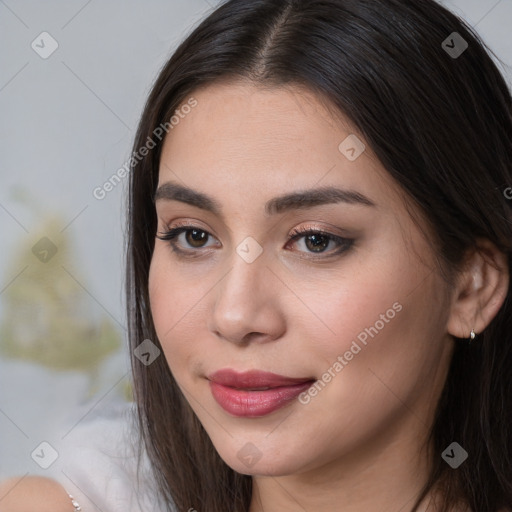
pixel 19 494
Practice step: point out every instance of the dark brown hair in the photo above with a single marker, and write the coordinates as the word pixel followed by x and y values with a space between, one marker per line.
pixel 440 124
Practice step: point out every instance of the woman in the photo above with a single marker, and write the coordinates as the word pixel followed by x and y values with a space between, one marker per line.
pixel 318 250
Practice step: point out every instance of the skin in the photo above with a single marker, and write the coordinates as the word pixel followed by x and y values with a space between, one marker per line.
pixel 293 311
pixel 22 494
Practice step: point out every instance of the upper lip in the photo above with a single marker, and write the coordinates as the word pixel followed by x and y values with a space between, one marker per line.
pixel 253 379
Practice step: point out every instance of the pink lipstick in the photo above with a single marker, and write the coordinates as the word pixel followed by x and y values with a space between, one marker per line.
pixel 254 393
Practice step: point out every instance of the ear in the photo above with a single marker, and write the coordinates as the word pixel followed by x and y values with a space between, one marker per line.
pixel 481 289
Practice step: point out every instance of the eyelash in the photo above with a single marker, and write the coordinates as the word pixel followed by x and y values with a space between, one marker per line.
pixel 344 244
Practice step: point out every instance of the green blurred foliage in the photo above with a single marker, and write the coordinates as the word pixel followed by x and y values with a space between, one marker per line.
pixel 49 316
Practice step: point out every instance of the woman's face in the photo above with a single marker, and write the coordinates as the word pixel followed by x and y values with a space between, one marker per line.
pixel 359 320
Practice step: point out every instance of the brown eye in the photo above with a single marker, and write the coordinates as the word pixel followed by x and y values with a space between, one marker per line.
pixel 196 237
pixel 317 242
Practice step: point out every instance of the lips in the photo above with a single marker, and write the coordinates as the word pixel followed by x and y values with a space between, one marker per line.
pixel 254 379
pixel 254 393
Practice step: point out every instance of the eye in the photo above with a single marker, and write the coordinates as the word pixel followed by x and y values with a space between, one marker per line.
pixel 195 237
pixel 317 241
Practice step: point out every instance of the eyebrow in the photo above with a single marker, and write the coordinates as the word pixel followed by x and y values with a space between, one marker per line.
pixel 298 200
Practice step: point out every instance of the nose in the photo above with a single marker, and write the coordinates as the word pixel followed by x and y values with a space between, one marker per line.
pixel 247 303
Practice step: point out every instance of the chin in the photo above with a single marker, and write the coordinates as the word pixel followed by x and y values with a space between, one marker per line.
pixel 250 461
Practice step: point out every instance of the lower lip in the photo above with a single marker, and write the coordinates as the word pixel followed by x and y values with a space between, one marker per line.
pixel 239 402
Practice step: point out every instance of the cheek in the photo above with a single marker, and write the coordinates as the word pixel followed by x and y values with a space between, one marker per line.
pixel 164 303
pixel 360 305
pixel 160 294
pixel 366 295
pixel 391 345
pixel 176 308
pixel 382 325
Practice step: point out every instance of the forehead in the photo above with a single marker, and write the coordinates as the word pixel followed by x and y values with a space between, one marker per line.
pixel 261 142
pixel 255 114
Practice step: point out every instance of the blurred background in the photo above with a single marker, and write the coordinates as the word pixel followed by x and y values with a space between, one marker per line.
pixel 74 76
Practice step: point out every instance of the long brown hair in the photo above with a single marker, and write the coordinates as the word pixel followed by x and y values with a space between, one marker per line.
pixel 441 125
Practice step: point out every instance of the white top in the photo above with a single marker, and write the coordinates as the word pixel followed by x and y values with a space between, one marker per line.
pixel 97 464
